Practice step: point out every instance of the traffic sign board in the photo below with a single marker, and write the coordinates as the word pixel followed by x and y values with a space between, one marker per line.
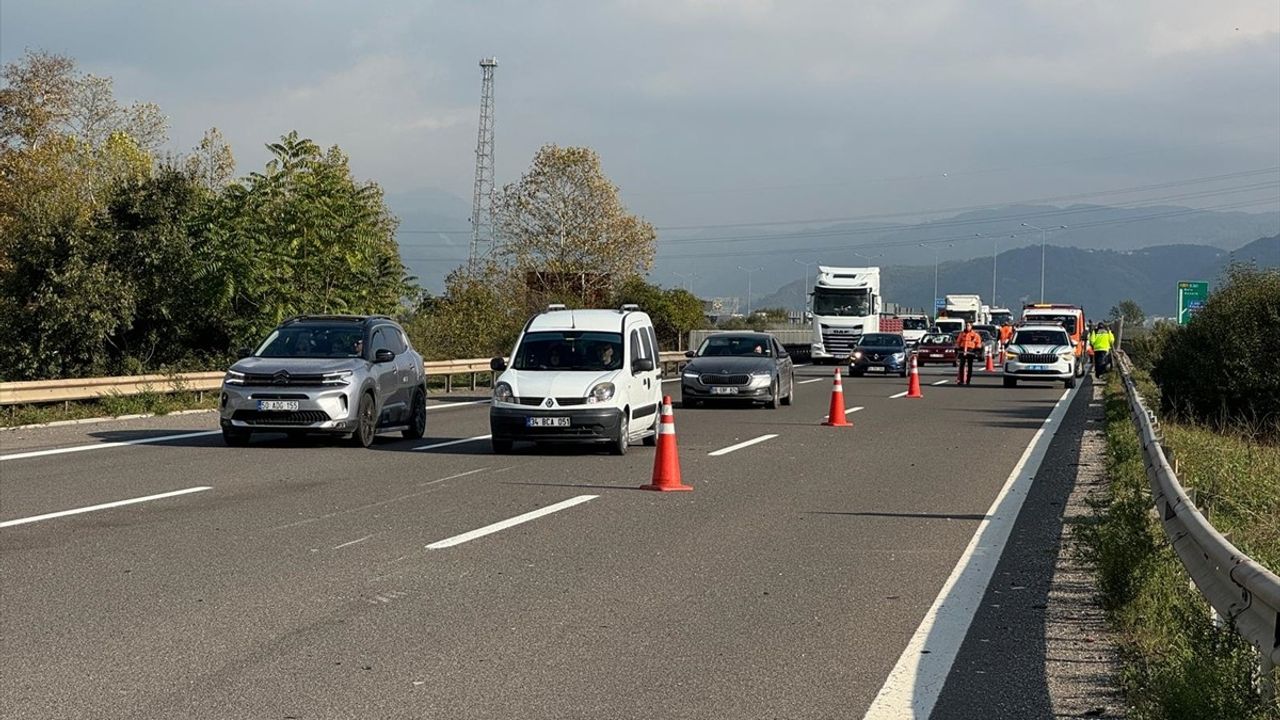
pixel 939 303
pixel 1192 295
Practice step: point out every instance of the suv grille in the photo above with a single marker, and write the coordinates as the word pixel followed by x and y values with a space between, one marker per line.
pixel 1038 359
pixel 283 379
pixel 281 417
pixel 710 379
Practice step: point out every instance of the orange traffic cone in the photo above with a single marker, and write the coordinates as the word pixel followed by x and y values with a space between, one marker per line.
pixel 913 386
pixel 836 416
pixel 666 463
pixel 990 365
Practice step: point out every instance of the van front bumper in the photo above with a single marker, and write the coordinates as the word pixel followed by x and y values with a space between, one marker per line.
pixel 593 425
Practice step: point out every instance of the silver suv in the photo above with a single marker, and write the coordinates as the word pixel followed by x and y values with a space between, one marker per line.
pixel 338 374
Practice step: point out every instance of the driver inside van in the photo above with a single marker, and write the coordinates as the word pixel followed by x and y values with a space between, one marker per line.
pixel 606 355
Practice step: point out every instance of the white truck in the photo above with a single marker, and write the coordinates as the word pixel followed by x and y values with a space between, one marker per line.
pixel 965 307
pixel 1000 316
pixel 846 304
pixel 914 327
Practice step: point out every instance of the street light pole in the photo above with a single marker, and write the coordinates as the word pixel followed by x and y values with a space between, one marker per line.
pixel 805 289
pixel 688 278
pixel 935 274
pixel 1043 235
pixel 749 271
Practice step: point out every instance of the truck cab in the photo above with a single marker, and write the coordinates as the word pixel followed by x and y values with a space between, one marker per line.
pixel 846 305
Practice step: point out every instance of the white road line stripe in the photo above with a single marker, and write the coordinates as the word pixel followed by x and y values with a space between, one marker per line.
pixel 941 382
pixel 453 442
pixel 104 506
pixel 739 446
pixel 664 382
pixel 901 394
pixel 446 406
pixel 353 542
pixel 455 477
pixel 510 522
pixel 105 445
pixel 914 684
pixel 806 382
pixel 848 411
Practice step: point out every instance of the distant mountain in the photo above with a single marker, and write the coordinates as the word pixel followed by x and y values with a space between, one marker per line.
pixel 1095 279
pixel 714 255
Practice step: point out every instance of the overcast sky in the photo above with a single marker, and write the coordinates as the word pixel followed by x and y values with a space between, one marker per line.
pixel 714 111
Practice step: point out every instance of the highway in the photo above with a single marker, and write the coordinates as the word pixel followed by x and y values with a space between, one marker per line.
pixel 315 580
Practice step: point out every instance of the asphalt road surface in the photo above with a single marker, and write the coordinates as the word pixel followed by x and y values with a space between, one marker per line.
pixel 294 580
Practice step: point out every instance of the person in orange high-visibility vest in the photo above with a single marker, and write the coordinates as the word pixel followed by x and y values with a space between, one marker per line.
pixel 968 343
pixel 1006 334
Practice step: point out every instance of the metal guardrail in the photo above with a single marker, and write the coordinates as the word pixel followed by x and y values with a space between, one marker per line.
pixel 1238 588
pixel 47 391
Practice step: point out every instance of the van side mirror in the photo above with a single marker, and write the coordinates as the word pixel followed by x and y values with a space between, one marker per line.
pixel 383 355
pixel 498 364
pixel 640 365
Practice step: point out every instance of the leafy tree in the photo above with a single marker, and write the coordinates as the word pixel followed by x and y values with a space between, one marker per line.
pixel 211 164
pixel 1130 312
pixel 473 318
pixel 564 230
pixel 674 311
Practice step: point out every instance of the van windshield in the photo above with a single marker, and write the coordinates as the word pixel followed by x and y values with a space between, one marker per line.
pixel 915 324
pixel 569 350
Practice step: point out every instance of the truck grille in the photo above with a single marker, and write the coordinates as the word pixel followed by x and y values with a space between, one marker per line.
pixel 840 343
pixel 281 417
pixel 712 379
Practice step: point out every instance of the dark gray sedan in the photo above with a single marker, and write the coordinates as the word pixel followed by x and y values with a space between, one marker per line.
pixel 741 366
pixel 879 352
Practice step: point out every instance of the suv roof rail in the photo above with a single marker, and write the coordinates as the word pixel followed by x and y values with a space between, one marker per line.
pixel 335 318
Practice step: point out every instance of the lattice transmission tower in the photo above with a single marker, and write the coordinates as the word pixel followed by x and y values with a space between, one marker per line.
pixel 482 240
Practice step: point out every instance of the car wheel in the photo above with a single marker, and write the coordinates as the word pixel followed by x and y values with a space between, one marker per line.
pixel 235 437
pixel 1010 382
pixel 501 446
pixel 620 443
pixel 791 391
pixel 417 418
pixel 1069 383
pixel 772 402
pixel 366 422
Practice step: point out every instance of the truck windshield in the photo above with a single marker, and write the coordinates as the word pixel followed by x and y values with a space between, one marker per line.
pixel 569 350
pixel 915 324
pixel 1067 321
pixel 841 303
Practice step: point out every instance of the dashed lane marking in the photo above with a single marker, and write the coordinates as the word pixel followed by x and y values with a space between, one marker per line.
pixel 509 522
pixel 103 506
pixel 739 446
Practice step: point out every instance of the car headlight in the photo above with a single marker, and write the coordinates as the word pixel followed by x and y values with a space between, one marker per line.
pixel 340 377
pixel 690 375
pixel 899 356
pixel 759 380
pixel 502 392
pixel 601 393
pixel 857 354
pixel 233 377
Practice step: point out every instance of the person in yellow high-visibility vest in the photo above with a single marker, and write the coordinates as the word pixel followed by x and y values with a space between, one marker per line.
pixel 1100 341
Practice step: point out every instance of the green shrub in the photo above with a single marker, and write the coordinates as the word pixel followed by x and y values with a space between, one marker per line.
pixel 1222 368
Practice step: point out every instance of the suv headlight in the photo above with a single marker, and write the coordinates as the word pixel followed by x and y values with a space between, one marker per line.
pixel 340 377
pixel 1068 356
pixel 601 393
pixel 233 377
pixel 502 392
pixel 1010 355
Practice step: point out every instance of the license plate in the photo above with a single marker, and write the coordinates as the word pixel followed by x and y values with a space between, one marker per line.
pixel 935 354
pixel 1037 367
pixel 877 368
pixel 547 422
pixel 277 404
pixel 724 391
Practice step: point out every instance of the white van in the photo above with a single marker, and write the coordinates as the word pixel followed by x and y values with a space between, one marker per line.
pixel 579 376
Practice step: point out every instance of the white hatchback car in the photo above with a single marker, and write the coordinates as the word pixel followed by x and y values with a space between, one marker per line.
pixel 1040 353
pixel 588 376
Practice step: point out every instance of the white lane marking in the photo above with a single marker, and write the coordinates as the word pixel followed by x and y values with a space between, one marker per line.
pixel 739 446
pixel 848 411
pixel 446 406
pixel 901 394
pixel 353 542
pixel 802 365
pixel 916 680
pixel 455 477
pixel 453 442
pixel 509 522
pixel 941 382
pixel 806 382
pixel 104 506
pixel 103 446
pixel 664 382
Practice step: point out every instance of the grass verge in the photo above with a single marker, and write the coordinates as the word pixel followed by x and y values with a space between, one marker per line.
pixel 147 403
pixel 1176 662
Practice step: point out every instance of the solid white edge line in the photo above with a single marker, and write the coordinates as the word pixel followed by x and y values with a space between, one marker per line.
pixel 509 522
pixel 739 446
pixel 453 442
pixel 901 394
pixel 806 382
pixel 104 506
pixel 105 445
pixel 913 686
pixel 940 382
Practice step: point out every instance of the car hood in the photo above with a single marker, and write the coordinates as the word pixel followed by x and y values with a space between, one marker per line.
pixel 729 365
pixel 1040 349
pixel 296 366
pixel 556 383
